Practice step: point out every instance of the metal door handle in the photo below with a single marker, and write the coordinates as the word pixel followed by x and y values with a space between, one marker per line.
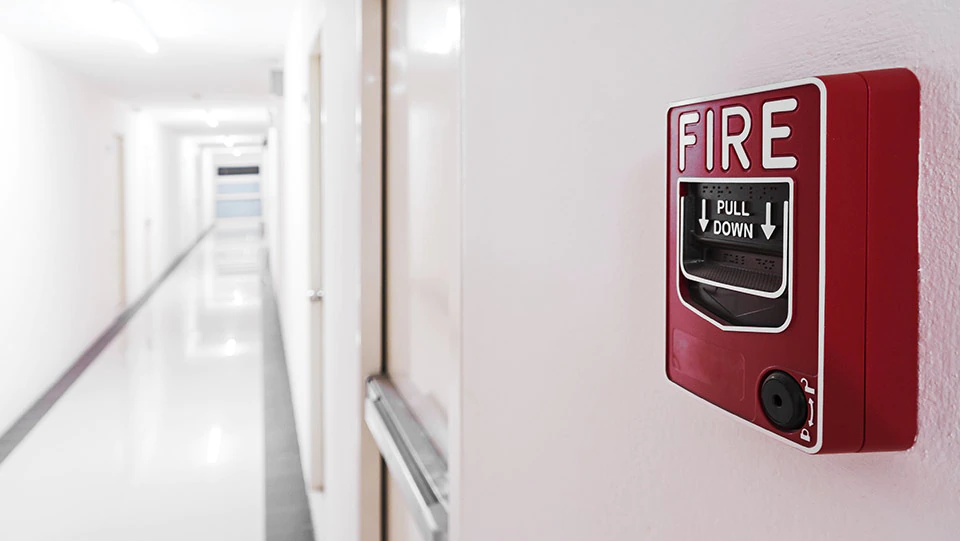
pixel 413 462
pixel 315 294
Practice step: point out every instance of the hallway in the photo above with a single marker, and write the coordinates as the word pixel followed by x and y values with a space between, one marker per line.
pixel 462 270
pixel 162 437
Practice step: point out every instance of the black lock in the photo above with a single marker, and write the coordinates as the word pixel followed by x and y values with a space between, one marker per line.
pixel 783 401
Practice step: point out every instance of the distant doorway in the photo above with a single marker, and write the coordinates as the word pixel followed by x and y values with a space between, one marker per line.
pixel 120 233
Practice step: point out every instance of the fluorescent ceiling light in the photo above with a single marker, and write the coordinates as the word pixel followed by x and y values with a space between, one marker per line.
pixel 236 152
pixel 135 27
pixel 212 120
pixel 230 347
pixel 213 445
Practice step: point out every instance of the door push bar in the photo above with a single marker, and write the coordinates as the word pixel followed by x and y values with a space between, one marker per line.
pixel 414 463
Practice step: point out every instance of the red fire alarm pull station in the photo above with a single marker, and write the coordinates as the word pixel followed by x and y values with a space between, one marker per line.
pixel 792 258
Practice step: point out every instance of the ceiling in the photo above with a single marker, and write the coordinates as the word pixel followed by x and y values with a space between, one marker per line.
pixel 191 118
pixel 213 53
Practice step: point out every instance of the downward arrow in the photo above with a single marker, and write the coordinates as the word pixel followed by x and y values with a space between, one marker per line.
pixel 810 402
pixel 703 215
pixel 768 228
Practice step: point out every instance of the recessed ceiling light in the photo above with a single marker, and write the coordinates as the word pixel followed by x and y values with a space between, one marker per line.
pixel 212 120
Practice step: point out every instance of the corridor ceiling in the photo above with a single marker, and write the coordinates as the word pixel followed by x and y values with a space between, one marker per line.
pixel 214 53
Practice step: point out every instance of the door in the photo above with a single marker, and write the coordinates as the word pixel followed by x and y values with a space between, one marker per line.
pixel 315 293
pixel 422 218
pixel 121 231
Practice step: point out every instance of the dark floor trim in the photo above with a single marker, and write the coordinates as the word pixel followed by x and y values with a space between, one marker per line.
pixel 22 427
pixel 287 506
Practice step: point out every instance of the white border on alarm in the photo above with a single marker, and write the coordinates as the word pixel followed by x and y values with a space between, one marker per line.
pixel 823 231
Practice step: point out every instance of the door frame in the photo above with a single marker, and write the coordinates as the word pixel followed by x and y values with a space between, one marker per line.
pixel 373 474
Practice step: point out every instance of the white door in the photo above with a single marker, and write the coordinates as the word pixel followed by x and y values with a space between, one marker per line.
pixel 422 234
pixel 315 293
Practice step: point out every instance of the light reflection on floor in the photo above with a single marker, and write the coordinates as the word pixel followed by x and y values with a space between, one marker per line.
pixel 162 437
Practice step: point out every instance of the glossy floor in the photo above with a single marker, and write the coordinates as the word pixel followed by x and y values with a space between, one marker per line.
pixel 163 436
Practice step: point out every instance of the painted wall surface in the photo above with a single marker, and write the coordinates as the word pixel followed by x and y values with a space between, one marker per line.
pixel 292 274
pixel 570 430
pixel 270 178
pixel 168 199
pixel 61 217
pixel 332 28
pixel 208 185
pixel 150 199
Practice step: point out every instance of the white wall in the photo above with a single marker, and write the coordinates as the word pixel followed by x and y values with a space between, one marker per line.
pixel 60 217
pixel 250 155
pixel 208 186
pixel 346 447
pixel 149 163
pixel 270 195
pixel 570 429
pixel 168 197
pixel 191 196
pixel 293 275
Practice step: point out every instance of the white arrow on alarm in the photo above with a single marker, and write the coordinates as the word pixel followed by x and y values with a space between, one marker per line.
pixel 768 228
pixel 810 403
pixel 703 215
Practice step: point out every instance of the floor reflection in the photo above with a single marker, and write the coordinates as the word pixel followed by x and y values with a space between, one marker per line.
pixel 162 437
